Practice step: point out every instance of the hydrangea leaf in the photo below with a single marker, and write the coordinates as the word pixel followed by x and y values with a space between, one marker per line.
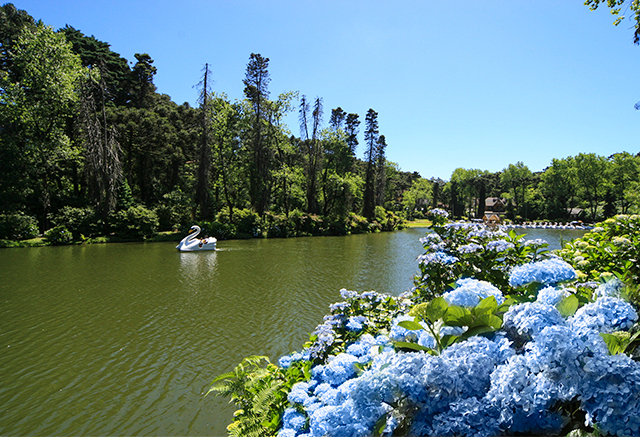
pixel 568 306
pixel 412 346
pixel 457 316
pixel 477 330
pixel 380 425
pixel 488 305
pixel 436 309
pixel 489 320
pixel 411 325
pixel 614 344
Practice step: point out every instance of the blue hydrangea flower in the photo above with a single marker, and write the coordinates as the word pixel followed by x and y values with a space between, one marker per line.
pixel 469 292
pixel 293 419
pixel 348 294
pixel 606 315
pixel 611 394
pixel 470 248
pixel 287 432
pixel 339 306
pixel 439 212
pixel 528 319
pixel 437 258
pixel 286 361
pixel 500 245
pixel 611 288
pixel 355 323
pixel 339 368
pixel 551 296
pixel 537 242
pixel 468 417
pixel 398 333
pixel 548 272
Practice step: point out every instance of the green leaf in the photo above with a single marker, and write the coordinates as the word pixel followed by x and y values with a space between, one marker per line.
pixel 490 320
pixel 613 343
pixel 448 340
pixel 455 315
pixel 436 309
pixel 488 305
pixel 476 330
pixel 568 306
pixel 381 423
pixel 411 325
pixel 412 346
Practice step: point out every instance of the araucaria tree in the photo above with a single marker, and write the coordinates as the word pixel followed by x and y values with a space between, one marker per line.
pixel 257 93
pixel 381 170
pixel 371 135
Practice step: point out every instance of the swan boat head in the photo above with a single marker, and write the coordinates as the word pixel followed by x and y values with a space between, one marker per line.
pixel 191 243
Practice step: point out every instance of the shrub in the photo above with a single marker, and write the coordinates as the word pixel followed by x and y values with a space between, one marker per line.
pixel 174 210
pixel 357 224
pixel 611 248
pixel 247 223
pixel 135 222
pixel 79 221
pixel 18 226
pixel 58 235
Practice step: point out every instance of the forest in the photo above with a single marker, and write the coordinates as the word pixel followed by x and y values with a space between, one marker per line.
pixel 88 147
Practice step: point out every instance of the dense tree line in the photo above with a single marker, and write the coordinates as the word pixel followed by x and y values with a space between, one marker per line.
pixel 586 186
pixel 87 143
pixel 83 133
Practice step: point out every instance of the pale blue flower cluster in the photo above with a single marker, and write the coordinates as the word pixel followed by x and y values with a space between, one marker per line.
pixel 325 336
pixel 438 257
pixel 500 245
pixel 607 314
pixel 552 296
pixel 548 272
pixel 611 288
pixel 286 361
pixel 430 239
pixel 526 320
pixel 470 248
pixel 469 292
pixel 537 242
pixel 356 323
pixel 439 212
pixel 480 387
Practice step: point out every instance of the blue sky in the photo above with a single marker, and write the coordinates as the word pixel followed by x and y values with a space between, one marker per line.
pixel 472 84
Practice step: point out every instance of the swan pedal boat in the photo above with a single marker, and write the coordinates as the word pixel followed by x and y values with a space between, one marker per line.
pixel 191 243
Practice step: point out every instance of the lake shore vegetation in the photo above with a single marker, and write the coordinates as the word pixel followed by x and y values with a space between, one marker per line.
pixel 90 151
pixel 499 336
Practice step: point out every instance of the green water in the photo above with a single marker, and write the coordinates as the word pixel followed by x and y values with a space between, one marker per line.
pixel 124 339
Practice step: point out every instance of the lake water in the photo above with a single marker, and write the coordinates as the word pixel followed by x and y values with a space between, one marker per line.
pixel 118 339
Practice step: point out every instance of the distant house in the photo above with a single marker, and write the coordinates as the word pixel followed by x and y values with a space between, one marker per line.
pixel 575 213
pixel 491 218
pixel 495 204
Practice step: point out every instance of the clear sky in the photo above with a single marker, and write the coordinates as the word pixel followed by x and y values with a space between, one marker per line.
pixel 472 84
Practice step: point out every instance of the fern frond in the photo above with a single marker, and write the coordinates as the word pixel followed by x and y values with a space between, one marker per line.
pixel 264 399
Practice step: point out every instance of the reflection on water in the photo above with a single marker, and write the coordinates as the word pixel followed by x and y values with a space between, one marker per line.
pixel 126 338
pixel 199 265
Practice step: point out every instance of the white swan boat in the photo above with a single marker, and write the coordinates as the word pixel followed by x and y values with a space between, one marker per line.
pixel 191 243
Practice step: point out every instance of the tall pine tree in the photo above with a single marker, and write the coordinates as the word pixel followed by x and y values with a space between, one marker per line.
pixel 371 136
pixel 257 93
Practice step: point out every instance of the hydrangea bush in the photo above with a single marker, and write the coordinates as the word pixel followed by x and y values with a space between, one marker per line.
pixel 498 337
pixel 610 249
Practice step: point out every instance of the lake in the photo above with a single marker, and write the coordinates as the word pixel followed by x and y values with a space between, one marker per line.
pixel 114 339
